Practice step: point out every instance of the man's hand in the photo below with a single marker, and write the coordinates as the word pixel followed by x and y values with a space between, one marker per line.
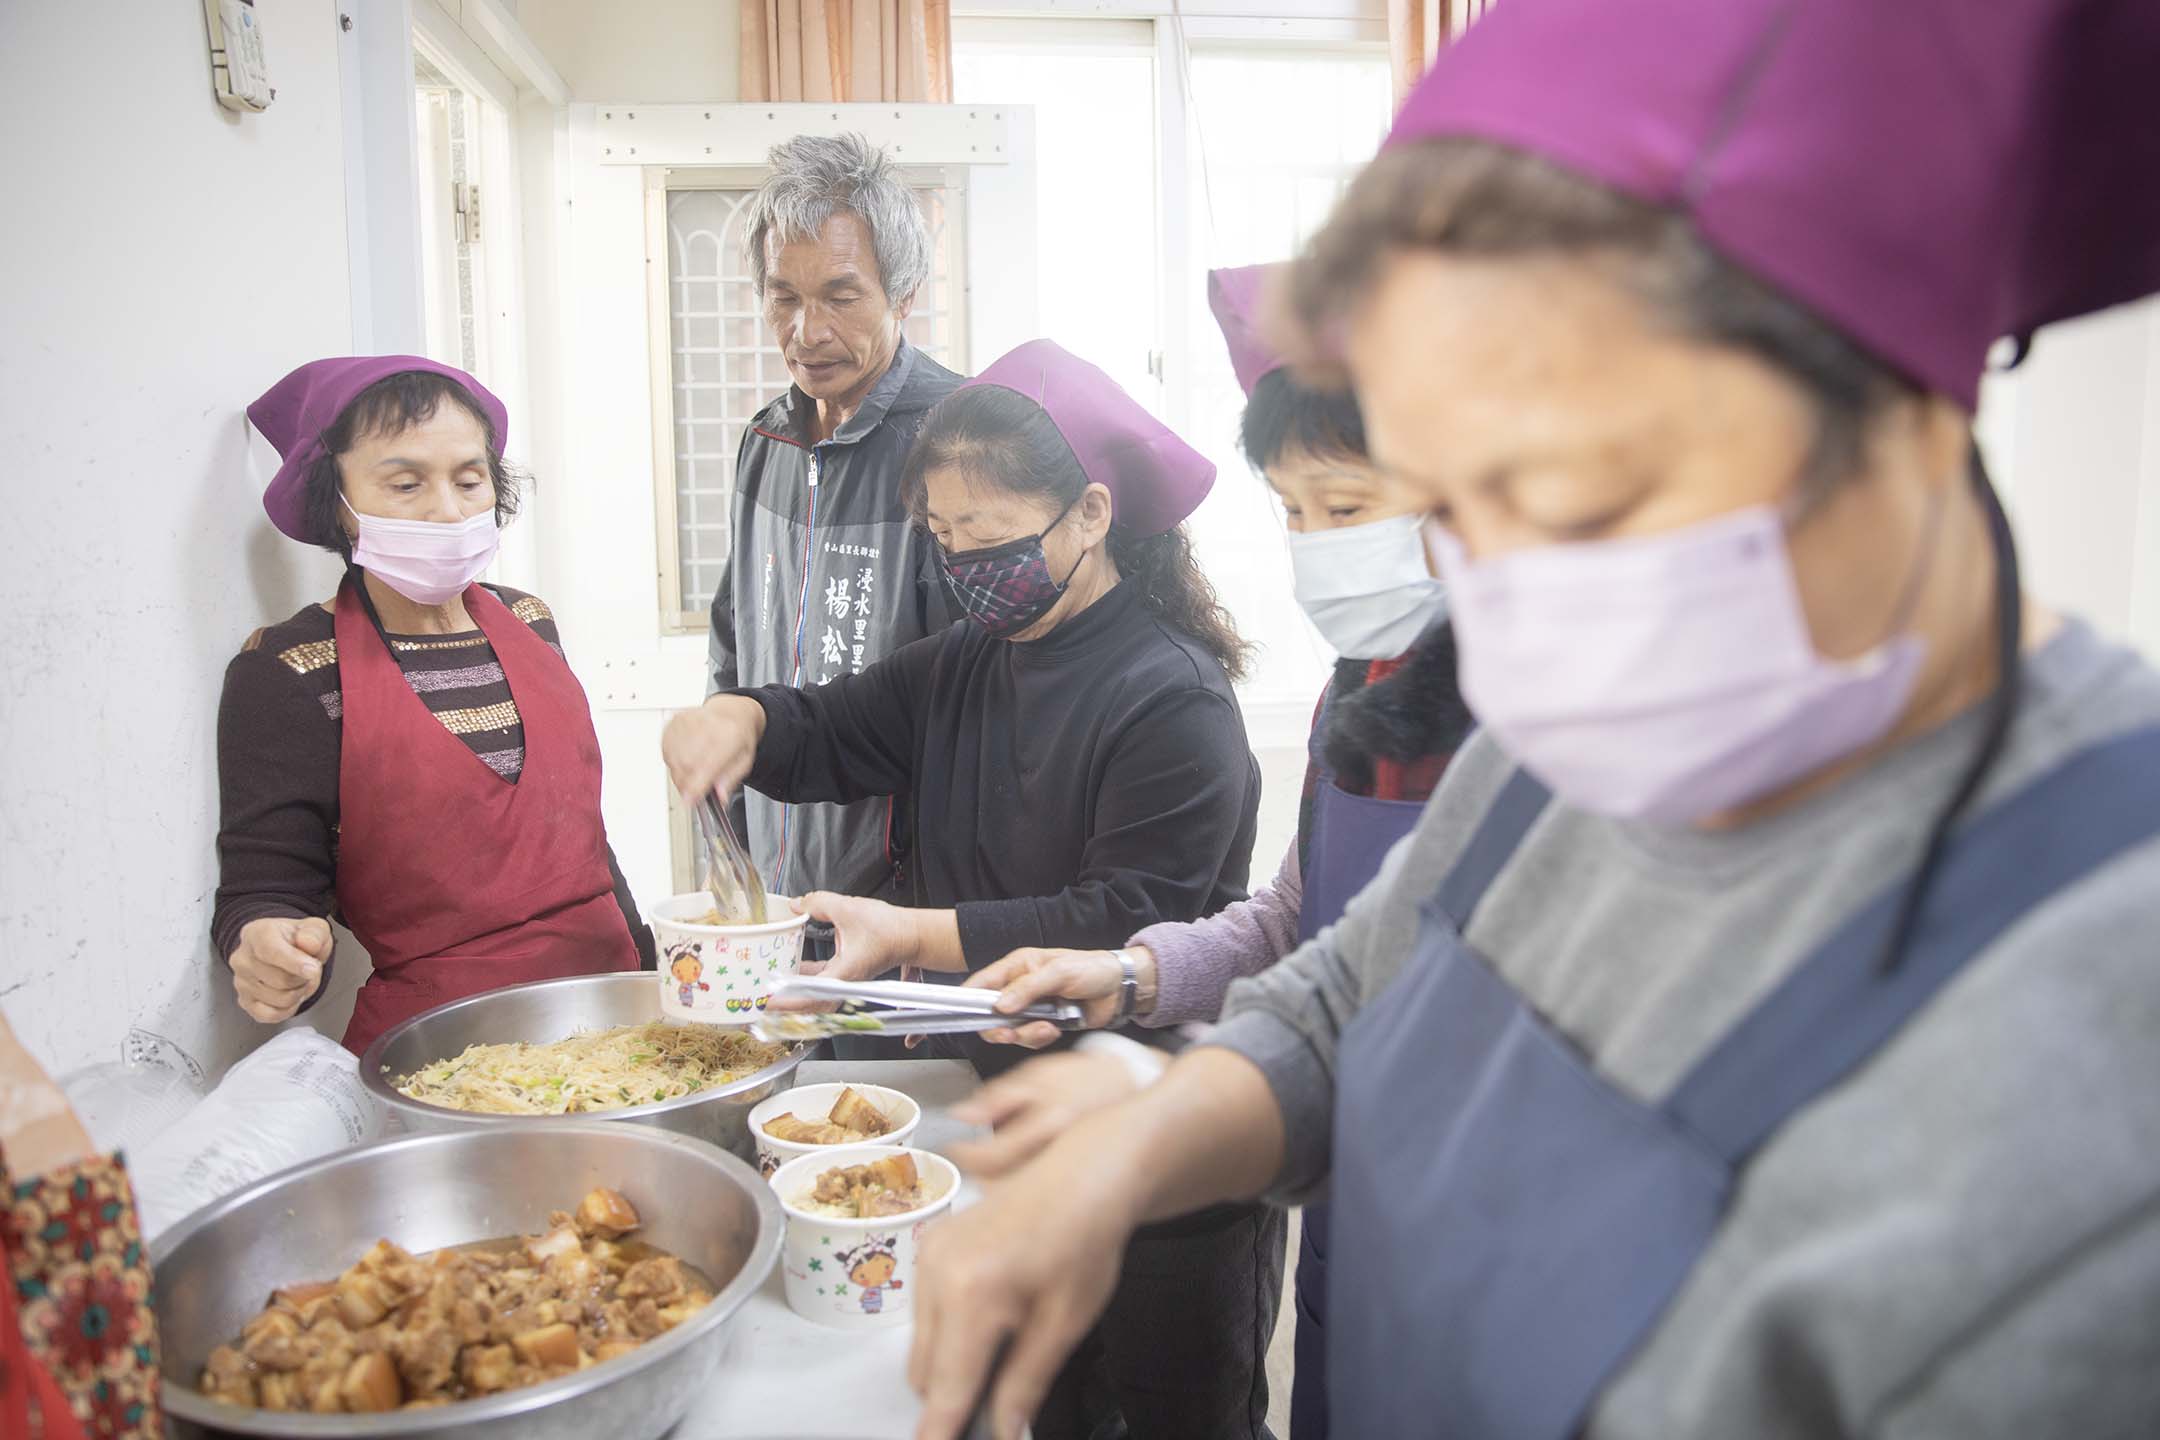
pixel 1090 977
pixel 1031 1106
pixel 708 750
pixel 278 964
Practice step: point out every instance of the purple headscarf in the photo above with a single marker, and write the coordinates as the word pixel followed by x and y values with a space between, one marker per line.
pixel 1155 479
pixel 293 414
pixel 1234 296
pixel 1929 175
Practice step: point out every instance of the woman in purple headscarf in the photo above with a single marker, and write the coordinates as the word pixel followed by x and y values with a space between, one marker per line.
pixel 1077 770
pixel 1754 1038
pixel 413 755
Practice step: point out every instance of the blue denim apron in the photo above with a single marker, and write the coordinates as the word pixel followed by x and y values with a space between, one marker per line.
pixel 1351 835
pixel 1513 1254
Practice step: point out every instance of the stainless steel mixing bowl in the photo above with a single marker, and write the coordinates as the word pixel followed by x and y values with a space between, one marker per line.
pixel 215 1270
pixel 549 1010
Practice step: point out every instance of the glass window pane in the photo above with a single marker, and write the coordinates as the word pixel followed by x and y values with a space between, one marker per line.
pixel 1282 132
pixel 1097 253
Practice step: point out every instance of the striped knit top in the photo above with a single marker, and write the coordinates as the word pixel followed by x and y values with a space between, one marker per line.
pixel 280 725
pixel 456 676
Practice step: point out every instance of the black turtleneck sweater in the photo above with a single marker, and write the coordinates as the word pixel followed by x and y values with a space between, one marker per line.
pixel 1067 791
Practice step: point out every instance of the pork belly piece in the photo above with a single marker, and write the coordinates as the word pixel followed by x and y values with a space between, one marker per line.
pixel 798 1131
pixel 550 1346
pixel 854 1112
pixel 370 1383
pixel 606 1214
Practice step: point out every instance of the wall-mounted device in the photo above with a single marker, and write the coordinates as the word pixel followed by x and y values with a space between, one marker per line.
pixel 238 71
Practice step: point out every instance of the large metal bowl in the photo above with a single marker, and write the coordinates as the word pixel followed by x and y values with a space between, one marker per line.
pixel 548 1010
pixel 215 1270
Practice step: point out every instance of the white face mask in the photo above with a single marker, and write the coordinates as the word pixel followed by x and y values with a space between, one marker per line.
pixel 426 561
pixel 1367 587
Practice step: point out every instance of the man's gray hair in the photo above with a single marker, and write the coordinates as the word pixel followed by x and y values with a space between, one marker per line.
pixel 814 175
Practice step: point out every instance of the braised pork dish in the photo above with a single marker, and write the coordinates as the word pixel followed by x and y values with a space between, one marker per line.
pixel 401 1331
pixel 890 1185
pixel 851 1120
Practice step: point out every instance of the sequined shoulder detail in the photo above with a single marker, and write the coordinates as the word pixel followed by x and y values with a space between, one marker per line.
pixel 414 647
pixel 531 609
pixel 479 719
pixel 305 659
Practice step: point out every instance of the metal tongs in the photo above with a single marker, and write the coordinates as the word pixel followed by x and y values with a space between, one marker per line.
pixel 729 875
pixel 902 1007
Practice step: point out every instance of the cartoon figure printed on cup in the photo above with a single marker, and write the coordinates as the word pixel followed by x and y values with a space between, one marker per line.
pixel 871 1265
pixel 684 965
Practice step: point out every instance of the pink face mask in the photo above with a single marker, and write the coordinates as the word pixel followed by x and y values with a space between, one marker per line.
pixel 1667 677
pixel 426 561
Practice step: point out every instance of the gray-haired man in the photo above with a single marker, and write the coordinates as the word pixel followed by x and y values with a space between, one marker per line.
pixel 827 572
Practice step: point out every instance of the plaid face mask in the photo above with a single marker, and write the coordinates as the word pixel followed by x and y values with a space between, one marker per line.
pixel 1006 588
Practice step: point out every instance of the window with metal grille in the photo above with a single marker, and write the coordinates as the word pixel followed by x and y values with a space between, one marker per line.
pixel 722 366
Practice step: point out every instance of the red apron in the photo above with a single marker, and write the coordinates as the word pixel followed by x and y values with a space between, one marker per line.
pixel 454 879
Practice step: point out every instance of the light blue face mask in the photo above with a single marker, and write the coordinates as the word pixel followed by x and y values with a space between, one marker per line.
pixel 1367 588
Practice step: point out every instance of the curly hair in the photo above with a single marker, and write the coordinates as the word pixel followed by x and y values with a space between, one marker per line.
pixel 1002 438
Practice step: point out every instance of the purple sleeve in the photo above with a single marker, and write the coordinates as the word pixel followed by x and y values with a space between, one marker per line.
pixel 1195 963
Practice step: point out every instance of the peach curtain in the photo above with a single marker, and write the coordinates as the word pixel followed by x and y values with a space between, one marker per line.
pixel 1419 29
pixel 827 50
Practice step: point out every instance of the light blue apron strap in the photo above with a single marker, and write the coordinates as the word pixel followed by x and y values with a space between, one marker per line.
pixel 1514 810
pixel 1839 1006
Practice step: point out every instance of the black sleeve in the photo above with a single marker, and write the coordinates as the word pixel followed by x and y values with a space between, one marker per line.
pixel 640 935
pixel 1175 796
pixel 277 753
pixel 852 738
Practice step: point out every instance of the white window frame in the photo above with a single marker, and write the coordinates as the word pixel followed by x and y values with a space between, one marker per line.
pixel 1175 32
pixel 494 160
pixel 1171 32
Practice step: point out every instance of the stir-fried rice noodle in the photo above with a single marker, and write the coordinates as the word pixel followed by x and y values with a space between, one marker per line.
pixel 604 1070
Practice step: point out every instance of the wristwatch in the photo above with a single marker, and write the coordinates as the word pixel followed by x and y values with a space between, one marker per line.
pixel 1128 990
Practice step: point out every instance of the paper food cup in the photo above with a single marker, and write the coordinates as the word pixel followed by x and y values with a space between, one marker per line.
pixel 815 1102
pixel 723 974
pixel 856 1274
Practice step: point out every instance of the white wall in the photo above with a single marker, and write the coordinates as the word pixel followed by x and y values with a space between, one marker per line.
pixel 166 261
pixel 2073 437
pixel 655 51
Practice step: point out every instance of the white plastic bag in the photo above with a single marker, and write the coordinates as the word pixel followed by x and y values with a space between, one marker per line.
pixel 296 1098
pixel 124 1103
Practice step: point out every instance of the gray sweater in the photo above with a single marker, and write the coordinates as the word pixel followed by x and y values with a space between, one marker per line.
pixel 1962 1239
